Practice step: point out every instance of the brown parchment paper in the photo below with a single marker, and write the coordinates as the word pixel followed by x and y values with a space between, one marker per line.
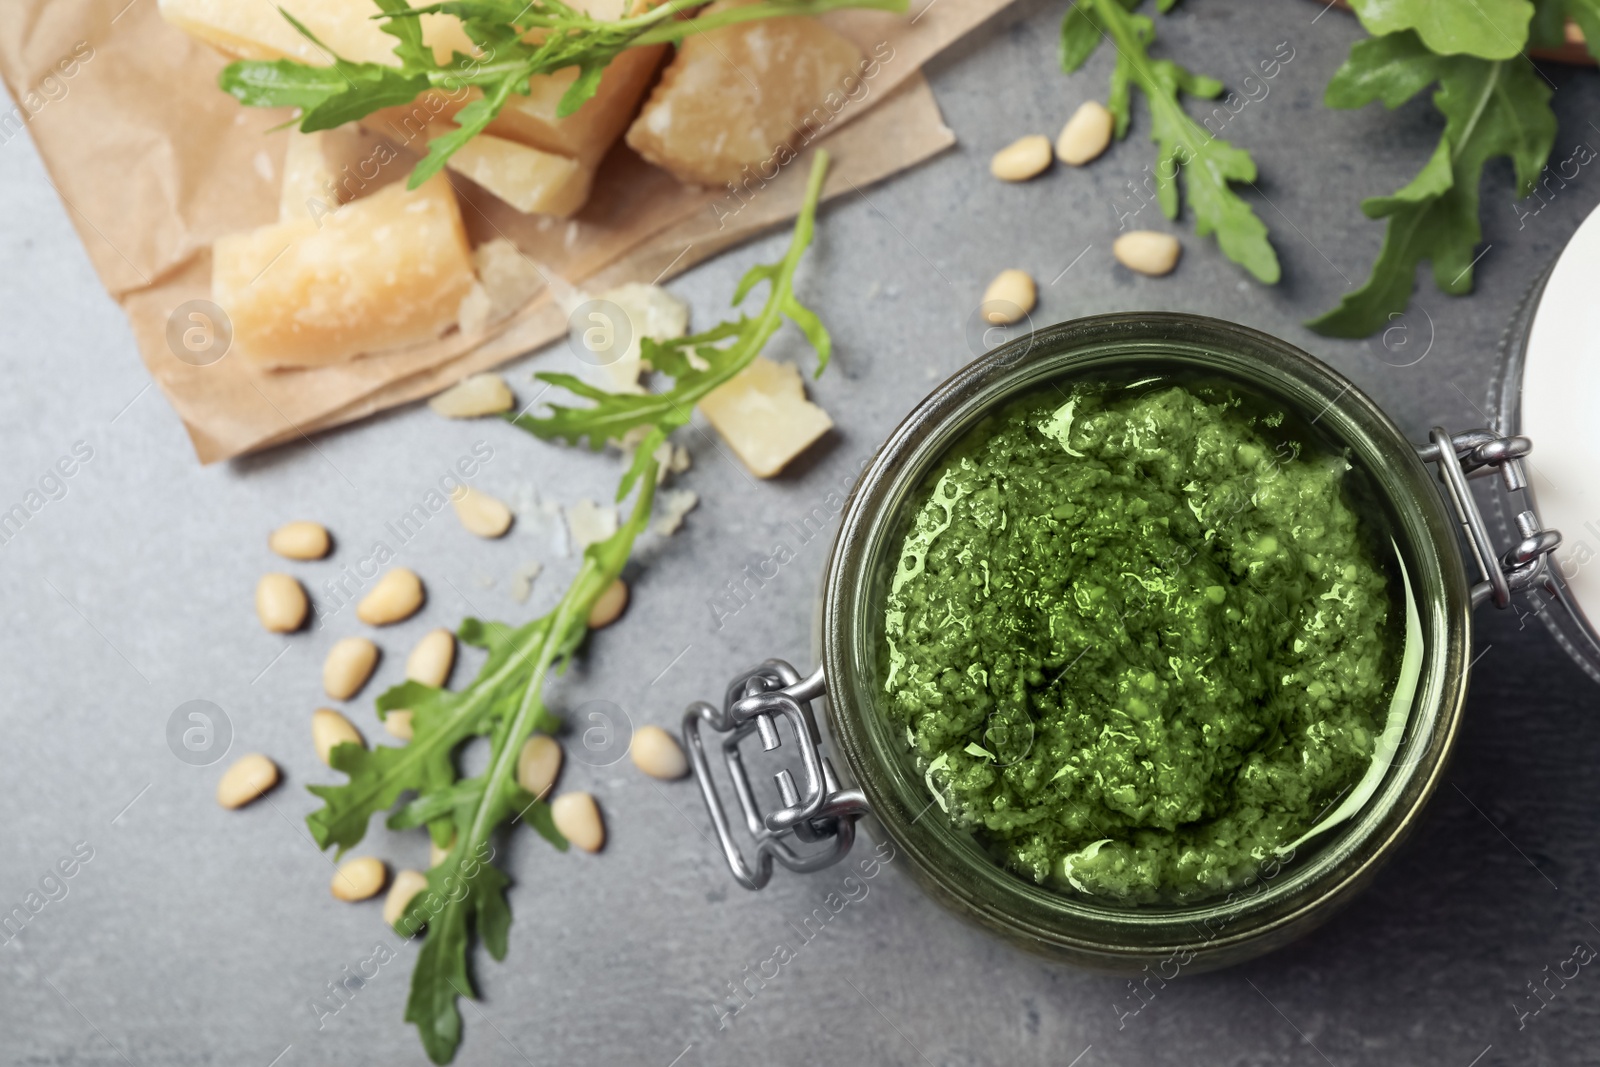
pixel 154 162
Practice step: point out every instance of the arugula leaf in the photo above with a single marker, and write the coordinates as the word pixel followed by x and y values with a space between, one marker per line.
pixel 515 42
pixel 466 892
pixel 505 702
pixel 1488 29
pixel 696 364
pixel 1491 108
pixel 1210 165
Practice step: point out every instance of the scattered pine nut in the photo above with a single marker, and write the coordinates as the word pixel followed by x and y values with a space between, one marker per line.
pixel 657 753
pixel 247 778
pixel 578 818
pixel 1086 134
pixel 1021 159
pixel 329 729
pixel 300 540
pixel 359 878
pixel 1009 297
pixel 481 394
pixel 396 597
pixel 406 885
pixel 398 723
pixel 538 764
pixel 482 514
pixel 1147 251
pixel 281 603
pixel 349 664
pixel 430 661
pixel 608 606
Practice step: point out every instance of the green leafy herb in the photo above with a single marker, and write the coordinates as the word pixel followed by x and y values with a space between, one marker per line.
pixel 505 702
pixel 1489 29
pixel 696 364
pixel 563 37
pixel 1492 108
pixel 1208 163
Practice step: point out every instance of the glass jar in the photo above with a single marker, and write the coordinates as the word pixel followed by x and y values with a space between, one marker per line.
pixel 1286 895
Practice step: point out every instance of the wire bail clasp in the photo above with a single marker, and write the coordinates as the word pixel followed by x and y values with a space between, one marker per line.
pixel 820 811
pixel 1476 453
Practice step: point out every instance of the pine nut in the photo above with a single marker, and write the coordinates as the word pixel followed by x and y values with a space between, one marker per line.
pixel 359 878
pixel 1009 297
pixel 578 819
pixel 281 603
pixel 1021 159
pixel 482 514
pixel 430 661
pixel 398 723
pixel 396 597
pixel 329 729
pixel 481 394
pixel 538 764
pixel 406 885
pixel 300 540
pixel 656 753
pixel 608 606
pixel 348 666
pixel 248 777
pixel 1086 134
pixel 1147 252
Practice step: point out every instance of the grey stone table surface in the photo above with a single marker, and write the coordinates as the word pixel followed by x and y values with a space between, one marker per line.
pixel 196 936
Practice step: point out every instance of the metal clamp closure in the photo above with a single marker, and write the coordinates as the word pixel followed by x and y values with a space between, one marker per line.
pixel 1476 453
pixel 822 811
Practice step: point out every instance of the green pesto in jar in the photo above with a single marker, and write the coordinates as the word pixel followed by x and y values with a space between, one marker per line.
pixel 1140 637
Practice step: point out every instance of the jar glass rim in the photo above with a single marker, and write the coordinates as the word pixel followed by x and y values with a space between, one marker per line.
pixel 1286 899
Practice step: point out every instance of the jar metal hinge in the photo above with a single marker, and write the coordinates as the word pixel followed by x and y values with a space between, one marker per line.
pixel 1477 453
pixel 820 812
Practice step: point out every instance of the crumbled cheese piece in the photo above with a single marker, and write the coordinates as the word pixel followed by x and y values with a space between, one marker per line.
pixel 384 271
pixel 507 275
pixel 522 580
pixel 652 312
pixel 589 523
pixel 763 414
pixel 481 394
pixel 473 318
pixel 675 504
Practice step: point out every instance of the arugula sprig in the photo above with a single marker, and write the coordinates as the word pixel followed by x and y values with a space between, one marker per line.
pixel 1492 107
pixel 505 702
pixel 1208 163
pixel 696 364
pixel 515 40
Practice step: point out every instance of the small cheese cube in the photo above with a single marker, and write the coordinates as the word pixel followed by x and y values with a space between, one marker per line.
pixel 529 179
pixel 743 95
pixel 763 414
pixel 383 271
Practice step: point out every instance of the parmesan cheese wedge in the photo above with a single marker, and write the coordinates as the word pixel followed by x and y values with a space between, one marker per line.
pixel 381 272
pixel 255 29
pixel 259 30
pixel 763 414
pixel 743 96
pixel 529 179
